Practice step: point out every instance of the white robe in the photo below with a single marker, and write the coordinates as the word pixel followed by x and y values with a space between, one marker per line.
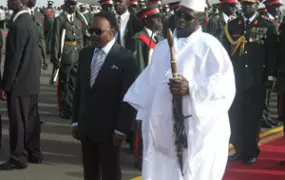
pixel 203 61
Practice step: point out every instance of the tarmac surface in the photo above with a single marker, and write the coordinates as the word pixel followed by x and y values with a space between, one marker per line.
pixel 62 154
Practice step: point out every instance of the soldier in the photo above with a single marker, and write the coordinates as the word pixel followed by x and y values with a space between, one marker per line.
pixel 217 22
pixel 273 9
pixel 37 17
pixel 49 14
pixel 145 42
pixel 133 7
pixel 93 9
pixel 142 4
pixel 262 11
pixel 107 5
pixel 171 21
pixel 66 59
pixel 251 43
pixel 87 14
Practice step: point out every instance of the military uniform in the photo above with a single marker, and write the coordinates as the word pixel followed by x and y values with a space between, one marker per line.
pixel 217 22
pixel 37 17
pixel 252 47
pixel 69 56
pixel 49 16
pixel 145 41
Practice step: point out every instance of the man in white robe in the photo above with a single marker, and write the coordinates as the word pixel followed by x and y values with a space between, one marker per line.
pixel 207 85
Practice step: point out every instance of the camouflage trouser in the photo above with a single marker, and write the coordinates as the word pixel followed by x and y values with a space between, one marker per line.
pixel 66 87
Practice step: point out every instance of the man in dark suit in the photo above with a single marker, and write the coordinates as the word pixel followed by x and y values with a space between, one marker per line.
pixel 129 24
pixel 21 82
pixel 1 45
pixel 100 118
pixel 254 62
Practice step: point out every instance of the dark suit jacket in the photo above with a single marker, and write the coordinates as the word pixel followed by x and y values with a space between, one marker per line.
pixel 100 110
pixel 22 65
pixel 134 26
pixel 1 44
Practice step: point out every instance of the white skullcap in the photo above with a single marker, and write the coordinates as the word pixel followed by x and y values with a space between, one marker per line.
pixel 196 5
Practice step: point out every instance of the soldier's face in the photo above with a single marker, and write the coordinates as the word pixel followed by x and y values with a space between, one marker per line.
pixel 101 32
pixel 274 9
pixel 107 7
pixel 70 7
pixel 229 8
pixel 121 6
pixel 186 21
pixel 154 22
pixel 82 9
pixel 249 8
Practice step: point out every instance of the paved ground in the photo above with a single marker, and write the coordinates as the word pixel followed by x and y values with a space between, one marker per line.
pixel 62 156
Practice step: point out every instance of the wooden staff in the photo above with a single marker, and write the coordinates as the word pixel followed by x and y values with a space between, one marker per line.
pixel 180 138
pixel 172 57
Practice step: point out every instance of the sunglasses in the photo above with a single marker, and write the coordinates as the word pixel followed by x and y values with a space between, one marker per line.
pixel 97 31
pixel 185 16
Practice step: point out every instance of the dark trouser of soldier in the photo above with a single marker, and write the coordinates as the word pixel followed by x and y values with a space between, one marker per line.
pixel 2 24
pixel 51 81
pixel 138 150
pixel 245 114
pixel 267 121
pixel 0 132
pixel 130 140
pixel 66 85
pixel 24 129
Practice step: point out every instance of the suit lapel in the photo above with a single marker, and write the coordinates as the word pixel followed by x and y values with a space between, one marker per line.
pixel 89 57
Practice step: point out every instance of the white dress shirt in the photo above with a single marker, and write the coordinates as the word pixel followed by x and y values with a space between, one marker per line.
pixel 150 33
pixel 124 21
pixel 2 15
pixel 69 16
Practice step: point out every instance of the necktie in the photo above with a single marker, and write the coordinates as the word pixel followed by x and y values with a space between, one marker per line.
pixel 119 21
pixel 97 62
pixel 119 30
pixel 247 23
pixel 71 19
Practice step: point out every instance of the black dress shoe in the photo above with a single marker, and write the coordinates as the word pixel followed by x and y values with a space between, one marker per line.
pixel 235 157
pixel 250 161
pixel 282 163
pixel 64 116
pixel 12 165
pixel 36 159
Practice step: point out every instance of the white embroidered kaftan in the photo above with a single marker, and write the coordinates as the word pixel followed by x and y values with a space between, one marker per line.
pixel 203 61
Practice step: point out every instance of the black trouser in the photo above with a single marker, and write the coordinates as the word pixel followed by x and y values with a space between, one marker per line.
pixel 245 116
pixel 24 127
pixel 138 150
pixel 66 87
pixel 101 161
pixel 2 23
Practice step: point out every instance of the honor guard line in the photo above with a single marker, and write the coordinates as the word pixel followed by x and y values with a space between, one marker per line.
pixel 262 135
